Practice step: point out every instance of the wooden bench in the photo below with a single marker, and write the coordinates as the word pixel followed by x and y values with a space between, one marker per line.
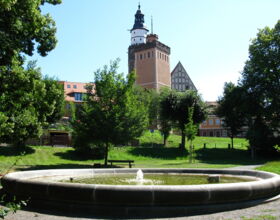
pixel 130 162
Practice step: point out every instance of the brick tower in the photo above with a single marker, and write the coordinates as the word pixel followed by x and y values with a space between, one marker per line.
pixel 148 57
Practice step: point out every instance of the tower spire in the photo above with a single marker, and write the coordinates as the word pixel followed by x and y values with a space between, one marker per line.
pixel 139 6
pixel 152 25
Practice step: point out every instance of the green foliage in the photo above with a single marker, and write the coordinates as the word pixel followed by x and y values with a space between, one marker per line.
pixel 55 98
pixel 22 26
pixel 27 103
pixel 191 131
pixel 175 107
pixel 231 109
pixel 260 79
pixel 150 98
pixel 112 113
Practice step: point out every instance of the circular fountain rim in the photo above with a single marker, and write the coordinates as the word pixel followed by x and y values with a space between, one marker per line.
pixel 157 199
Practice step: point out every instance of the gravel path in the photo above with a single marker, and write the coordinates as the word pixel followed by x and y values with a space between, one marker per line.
pixel 269 211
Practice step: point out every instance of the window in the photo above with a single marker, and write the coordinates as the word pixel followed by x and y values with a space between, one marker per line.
pixel 152 53
pixel 159 55
pixel 218 121
pixel 144 55
pixel 211 122
pixel 141 56
pixel 204 122
pixel 68 86
pixel 75 86
pixel 78 96
pixel 149 54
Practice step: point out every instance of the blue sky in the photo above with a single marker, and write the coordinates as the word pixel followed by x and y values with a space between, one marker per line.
pixel 209 37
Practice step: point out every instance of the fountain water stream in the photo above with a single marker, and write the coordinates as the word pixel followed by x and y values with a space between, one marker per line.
pixel 139 176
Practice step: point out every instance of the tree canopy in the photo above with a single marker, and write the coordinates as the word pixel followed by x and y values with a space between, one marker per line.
pixel 27 103
pixel 175 107
pixel 261 80
pixel 112 113
pixel 22 27
pixel 231 109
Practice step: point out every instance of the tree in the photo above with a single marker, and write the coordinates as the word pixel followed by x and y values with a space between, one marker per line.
pixel 150 98
pixel 112 113
pixel 27 103
pixel 230 109
pixel 22 26
pixel 175 107
pixel 55 97
pixel 191 131
pixel 261 80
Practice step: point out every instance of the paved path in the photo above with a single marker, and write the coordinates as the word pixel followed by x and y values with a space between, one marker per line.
pixel 268 211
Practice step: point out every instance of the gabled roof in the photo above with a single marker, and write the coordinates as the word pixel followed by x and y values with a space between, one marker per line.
pixel 180 66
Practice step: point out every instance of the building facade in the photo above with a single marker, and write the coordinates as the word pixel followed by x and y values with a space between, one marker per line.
pixel 180 79
pixel 212 126
pixel 148 57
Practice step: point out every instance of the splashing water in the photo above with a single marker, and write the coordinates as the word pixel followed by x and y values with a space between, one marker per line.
pixel 139 176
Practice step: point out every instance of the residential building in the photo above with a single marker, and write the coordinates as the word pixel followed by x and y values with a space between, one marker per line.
pixel 212 126
pixel 74 92
pixel 180 79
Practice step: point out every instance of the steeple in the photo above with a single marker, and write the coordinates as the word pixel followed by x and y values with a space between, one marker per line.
pixel 139 30
pixel 139 20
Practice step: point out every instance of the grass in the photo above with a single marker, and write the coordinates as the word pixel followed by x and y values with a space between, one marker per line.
pixel 260 217
pixel 272 166
pixel 150 153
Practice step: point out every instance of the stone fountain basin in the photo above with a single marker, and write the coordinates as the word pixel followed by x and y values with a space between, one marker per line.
pixel 124 200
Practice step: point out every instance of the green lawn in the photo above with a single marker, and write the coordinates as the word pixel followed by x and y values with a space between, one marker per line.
pixel 272 166
pixel 150 153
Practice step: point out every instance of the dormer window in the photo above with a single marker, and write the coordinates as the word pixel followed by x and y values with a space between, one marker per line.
pixel 75 86
pixel 68 86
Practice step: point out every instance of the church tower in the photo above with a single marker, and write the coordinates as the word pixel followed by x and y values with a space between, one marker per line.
pixel 148 57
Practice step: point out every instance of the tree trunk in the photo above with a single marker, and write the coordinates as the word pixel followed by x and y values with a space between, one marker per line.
pixel 164 140
pixel 106 154
pixel 232 142
pixel 183 140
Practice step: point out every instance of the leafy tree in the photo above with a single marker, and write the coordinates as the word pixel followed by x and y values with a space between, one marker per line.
pixel 22 26
pixel 191 131
pixel 150 98
pixel 112 113
pixel 261 80
pixel 25 104
pixel 55 97
pixel 175 107
pixel 231 109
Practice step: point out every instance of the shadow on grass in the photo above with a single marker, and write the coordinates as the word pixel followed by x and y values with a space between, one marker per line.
pixel 73 155
pixel 65 166
pixel 227 156
pixel 157 152
pixel 151 145
pixel 15 151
